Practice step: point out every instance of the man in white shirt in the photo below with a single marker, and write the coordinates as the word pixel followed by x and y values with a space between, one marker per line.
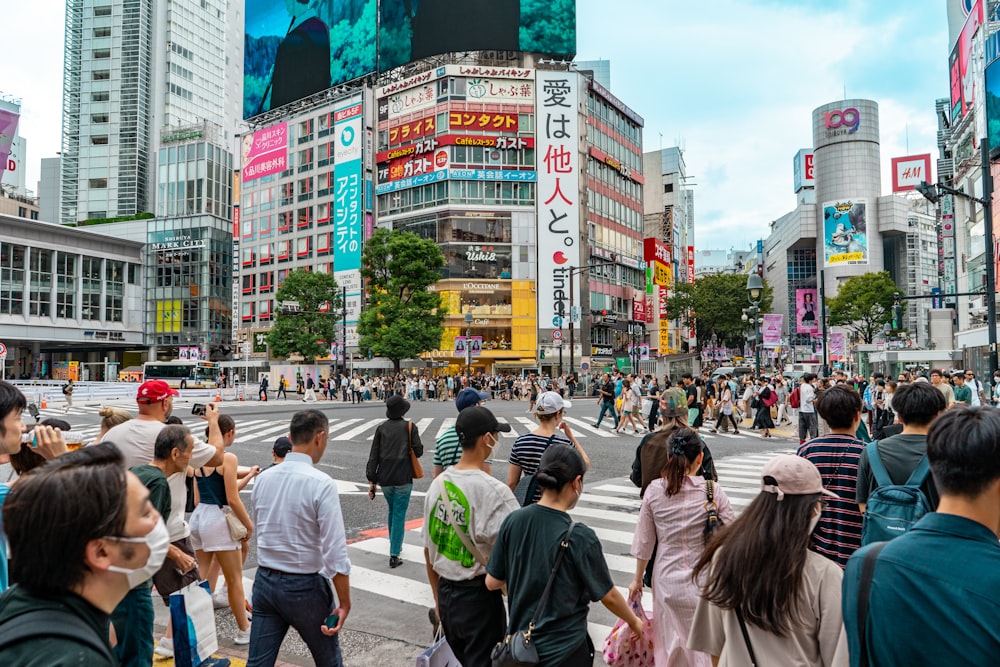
pixel 808 422
pixel 301 551
pixel 976 387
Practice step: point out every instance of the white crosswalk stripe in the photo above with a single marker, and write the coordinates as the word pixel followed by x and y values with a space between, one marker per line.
pixel 610 508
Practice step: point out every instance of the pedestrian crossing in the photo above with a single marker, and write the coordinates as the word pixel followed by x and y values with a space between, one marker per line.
pixel 610 508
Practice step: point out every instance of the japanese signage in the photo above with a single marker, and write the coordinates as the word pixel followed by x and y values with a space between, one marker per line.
pixel 771 329
pixel 476 120
pixel 845 236
pixel 457 174
pixel 655 251
pixel 500 90
pixel 690 264
pixel 429 145
pixel 615 164
pixel 348 218
pixel 806 308
pixel 408 167
pixel 8 129
pixel 802 170
pixel 639 307
pixel 661 275
pixel 908 172
pixel 411 131
pixel 265 152
pixel 414 99
pixel 557 137
pixel 663 303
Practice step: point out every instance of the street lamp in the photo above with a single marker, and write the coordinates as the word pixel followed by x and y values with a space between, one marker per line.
pixel 468 349
pixel 755 290
pixel 572 273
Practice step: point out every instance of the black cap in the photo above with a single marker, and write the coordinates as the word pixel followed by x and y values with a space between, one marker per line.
pixel 282 446
pixel 475 421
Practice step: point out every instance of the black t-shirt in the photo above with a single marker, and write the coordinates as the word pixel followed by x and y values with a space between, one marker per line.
pixel 692 395
pixel 900 456
pixel 609 391
pixel 523 556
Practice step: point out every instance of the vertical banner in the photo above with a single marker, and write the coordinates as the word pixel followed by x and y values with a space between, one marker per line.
pixel 8 128
pixel 838 347
pixel 845 232
pixel 557 140
pixel 460 344
pixel 771 329
pixel 806 307
pixel 348 224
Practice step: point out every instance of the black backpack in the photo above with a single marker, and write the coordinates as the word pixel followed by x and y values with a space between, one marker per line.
pixel 52 623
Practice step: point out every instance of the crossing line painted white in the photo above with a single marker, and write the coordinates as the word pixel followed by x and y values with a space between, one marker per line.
pixel 510 434
pixel 588 428
pixel 358 430
pixel 424 424
pixel 446 423
pixel 273 430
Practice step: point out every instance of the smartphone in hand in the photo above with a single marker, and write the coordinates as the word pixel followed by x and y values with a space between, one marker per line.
pixel 198 409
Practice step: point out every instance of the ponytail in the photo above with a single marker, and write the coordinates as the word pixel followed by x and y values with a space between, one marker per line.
pixel 683 447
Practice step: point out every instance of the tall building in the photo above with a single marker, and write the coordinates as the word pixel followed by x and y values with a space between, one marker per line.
pixel 48 189
pixel 133 70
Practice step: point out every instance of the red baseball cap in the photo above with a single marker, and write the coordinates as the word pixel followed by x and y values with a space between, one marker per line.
pixel 154 391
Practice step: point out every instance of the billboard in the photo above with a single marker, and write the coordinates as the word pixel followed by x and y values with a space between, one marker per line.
pixel 411 30
pixel 8 130
pixel 845 232
pixel 909 171
pixel 265 152
pixel 806 307
pixel 802 170
pixel 963 83
pixel 348 192
pixel 993 106
pixel 557 154
pixel 296 48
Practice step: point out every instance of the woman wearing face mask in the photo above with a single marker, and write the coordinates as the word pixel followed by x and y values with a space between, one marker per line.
pixel 528 448
pixel 673 517
pixel 524 555
pixel 765 598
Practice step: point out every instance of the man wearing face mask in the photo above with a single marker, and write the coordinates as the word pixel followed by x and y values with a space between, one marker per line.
pixel 459 536
pixel 73 562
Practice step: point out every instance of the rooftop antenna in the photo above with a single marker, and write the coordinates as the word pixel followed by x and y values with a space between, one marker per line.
pixel 845 90
pixel 907 138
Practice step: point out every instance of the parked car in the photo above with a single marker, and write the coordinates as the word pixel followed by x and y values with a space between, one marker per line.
pixel 736 371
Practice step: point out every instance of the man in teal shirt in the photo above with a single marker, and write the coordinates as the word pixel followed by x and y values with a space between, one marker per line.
pixel 934 594
pixel 962 391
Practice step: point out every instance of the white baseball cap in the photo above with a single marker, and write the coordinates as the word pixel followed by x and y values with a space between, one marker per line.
pixel 550 402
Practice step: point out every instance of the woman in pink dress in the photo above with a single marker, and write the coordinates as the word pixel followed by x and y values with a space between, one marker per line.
pixel 673 513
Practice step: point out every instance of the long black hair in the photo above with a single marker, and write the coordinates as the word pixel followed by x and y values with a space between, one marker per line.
pixel 683 448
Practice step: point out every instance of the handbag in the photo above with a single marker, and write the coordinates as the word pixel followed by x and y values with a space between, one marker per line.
pixel 713 521
pixel 237 530
pixel 418 470
pixel 524 492
pixel 746 637
pixel 193 620
pixel 516 649
pixel 621 648
pixel 439 654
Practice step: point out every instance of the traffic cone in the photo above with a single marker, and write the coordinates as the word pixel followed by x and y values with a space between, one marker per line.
pixel 44 402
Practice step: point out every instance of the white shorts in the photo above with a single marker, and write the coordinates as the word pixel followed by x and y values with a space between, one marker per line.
pixel 209 529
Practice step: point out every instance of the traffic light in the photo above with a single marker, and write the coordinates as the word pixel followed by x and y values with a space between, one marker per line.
pixel 897 317
pixel 543 353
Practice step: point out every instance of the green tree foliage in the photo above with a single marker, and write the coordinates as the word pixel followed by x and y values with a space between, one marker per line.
pixel 401 318
pixel 714 304
pixel 864 304
pixel 308 332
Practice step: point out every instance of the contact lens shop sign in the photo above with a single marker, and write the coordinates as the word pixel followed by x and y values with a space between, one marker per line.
pixel 557 147
pixel 348 217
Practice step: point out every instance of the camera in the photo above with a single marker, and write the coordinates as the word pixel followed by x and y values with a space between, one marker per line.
pixel 198 409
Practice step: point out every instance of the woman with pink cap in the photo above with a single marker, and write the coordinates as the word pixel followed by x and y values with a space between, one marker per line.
pixel 765 598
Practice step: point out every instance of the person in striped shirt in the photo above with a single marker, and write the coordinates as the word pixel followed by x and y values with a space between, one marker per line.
pixel 838 533
pixel 447 449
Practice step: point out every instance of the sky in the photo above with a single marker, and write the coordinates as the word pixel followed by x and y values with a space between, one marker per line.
pixel 732 82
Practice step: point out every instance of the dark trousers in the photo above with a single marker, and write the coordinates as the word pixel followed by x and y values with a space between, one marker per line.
pixel 654 412
pixel 133 621
pixel 721 421
pixel 582 655
pixel 473 618
pixel 301 601
pixel 606 406
pixel 808 426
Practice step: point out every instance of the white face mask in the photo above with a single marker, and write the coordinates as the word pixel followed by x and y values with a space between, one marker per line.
pixel 814 521
pixel 493 444
pixel 158 541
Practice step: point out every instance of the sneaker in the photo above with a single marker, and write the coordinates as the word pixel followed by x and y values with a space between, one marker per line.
pixel 242 637
pixel 395 561
pixel 220 599
pixel 165 648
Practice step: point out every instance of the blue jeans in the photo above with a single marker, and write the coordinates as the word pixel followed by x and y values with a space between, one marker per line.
pixel 606 406
pixel 302 601
pixel 398 498
pixel 133 621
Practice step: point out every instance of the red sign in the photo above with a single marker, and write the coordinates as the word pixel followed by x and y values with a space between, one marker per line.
pixel 663 302
pixel 430 144
pixel 407 167
pixel 615 164
pixel 653 250
pixel 411 131
pixel 472 120
pixel 649 308
pixel 236 222
pixel 638 307
pixel 908 172
pixel 690 263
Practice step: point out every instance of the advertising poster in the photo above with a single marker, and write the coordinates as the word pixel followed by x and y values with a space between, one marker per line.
pixel 771 329
pixel 993 106
pixel 348 220
pixel 297 48
pixel 909 171
pixel 411 30
pixel 845 232
pixel 460 343
pixel 806 311
pixel 265 152
pixel 557 156
pixel 8 129
pixel 838 347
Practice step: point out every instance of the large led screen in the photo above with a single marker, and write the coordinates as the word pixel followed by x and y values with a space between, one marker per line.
pixel 414 29
pixel 993 107
pixel 296 48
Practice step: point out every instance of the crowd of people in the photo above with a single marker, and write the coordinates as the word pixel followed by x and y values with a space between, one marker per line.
pixel 845 557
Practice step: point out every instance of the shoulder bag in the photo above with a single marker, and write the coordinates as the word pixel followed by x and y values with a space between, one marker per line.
pixel 524 492
pixel 418 470
pixel 516 649
pixel 746 637
pixel 713 521
pixel 864 592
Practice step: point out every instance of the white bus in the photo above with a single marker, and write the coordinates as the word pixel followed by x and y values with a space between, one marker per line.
pixel 183 373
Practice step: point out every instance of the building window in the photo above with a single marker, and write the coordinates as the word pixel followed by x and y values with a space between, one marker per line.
pixel 40 283
pixel 90 306
pixel 97 183
pixel 101 54
pixel 11 279
pixel 114 277
pixel 133 274
pixel 104 10
pixel 102 75
pixel 102 32
pixel 100 140
pixel 100 96
pixel 66 285
pixel 99 118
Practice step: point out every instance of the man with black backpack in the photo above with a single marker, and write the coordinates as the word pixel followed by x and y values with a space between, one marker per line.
pixel 887 465
pixel 929 597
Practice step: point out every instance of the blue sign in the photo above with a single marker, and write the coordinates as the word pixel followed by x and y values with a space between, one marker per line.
pixel 457 174
pixel 936 300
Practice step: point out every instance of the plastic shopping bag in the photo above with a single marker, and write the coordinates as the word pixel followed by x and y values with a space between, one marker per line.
pixel 438 655
pixel 193 618
pixel 621 649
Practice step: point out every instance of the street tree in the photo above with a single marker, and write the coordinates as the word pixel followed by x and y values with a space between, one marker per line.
pixel 864 304
pixel 714 305
pixel 308 328
pixel 401 318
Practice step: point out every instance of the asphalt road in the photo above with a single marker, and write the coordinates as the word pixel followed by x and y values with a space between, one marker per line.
pixel 388 623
